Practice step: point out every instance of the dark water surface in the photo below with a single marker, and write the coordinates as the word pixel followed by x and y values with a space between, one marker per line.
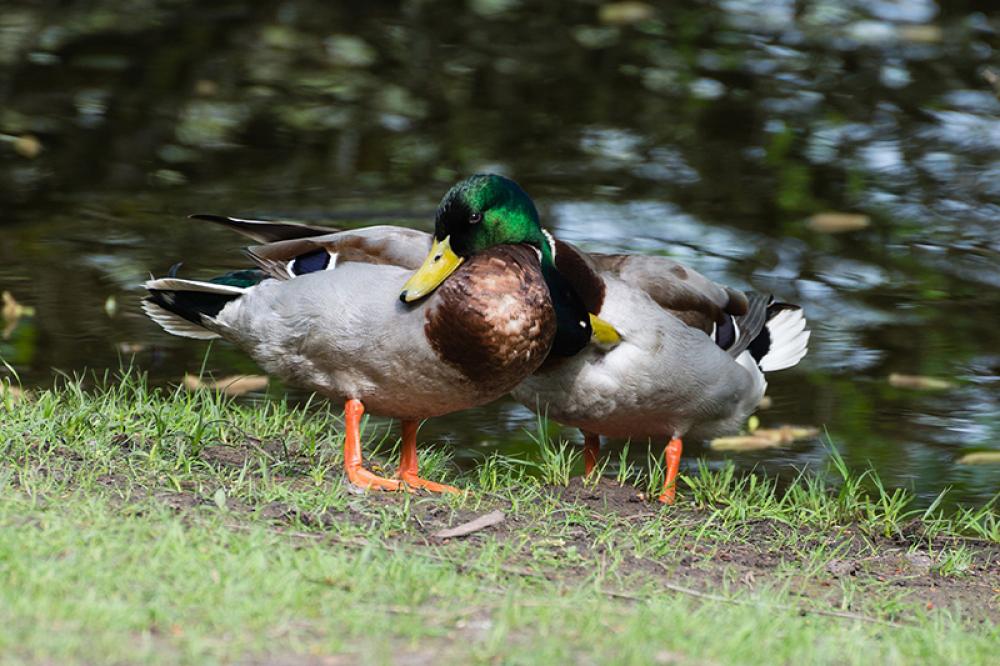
pixel 709 131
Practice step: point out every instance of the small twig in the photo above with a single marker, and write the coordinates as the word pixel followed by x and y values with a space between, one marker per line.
pixel 471 527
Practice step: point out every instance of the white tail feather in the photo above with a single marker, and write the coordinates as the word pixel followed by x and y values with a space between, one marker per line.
pixel 747 361
pixel 175 324
pixel 178 284
pixel 789 340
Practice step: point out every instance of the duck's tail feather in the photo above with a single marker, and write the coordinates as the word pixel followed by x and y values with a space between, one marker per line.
pixel 267 231
pixel 783 340
pixel 182 307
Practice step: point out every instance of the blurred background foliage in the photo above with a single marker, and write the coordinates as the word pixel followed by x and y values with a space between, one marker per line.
pixel 737 135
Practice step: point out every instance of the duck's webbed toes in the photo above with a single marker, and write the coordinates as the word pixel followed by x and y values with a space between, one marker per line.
pixel 415 482
pixel 366 480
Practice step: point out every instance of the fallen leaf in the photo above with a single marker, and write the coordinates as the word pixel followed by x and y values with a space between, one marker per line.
pixel 234 385
pixel 131 347
pixel 764 438
pixel 921 34
pixel 920 382
pixel 11 312
pixel 624 13
pixel 838 223
pixel 27 146
pixel 465 529
pixel 205 87
pixel 980 458
pixel 12 309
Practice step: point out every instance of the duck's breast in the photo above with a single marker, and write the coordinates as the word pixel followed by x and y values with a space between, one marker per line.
pixel 492 320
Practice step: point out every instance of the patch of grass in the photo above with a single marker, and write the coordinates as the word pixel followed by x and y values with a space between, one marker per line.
pixel 153 525
pixel 555 460
pixel 955 561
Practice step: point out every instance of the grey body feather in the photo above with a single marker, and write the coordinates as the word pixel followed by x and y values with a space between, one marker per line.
pixel 345 334
pixel 341 332
pixel 667 377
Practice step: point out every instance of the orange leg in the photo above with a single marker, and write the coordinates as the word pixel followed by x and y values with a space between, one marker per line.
pixel 356 473
pixel 408 463
pixel 673 456
pixel 591 450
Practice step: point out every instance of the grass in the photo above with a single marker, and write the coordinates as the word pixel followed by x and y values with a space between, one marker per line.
pixel 160 526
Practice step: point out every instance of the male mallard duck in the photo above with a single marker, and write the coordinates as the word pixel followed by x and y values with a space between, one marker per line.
pixel 691 360
pixel 340 313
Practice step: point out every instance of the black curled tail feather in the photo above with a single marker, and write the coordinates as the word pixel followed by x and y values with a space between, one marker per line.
pixel 774 333
pixel 736 333
pixel 190 305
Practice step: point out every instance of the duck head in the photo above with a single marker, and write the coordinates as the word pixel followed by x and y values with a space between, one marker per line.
pixel 487 210
pixel 475 215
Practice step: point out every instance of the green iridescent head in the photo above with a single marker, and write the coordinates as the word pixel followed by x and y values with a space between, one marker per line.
pixel 486 210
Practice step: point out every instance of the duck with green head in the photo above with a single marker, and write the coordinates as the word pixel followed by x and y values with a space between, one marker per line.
pixel 681 356
pixel 391 320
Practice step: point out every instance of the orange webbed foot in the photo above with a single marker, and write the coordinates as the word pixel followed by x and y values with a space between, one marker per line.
pixel 408 464
pixel 362 478
pixel 357 475
pixel 415 482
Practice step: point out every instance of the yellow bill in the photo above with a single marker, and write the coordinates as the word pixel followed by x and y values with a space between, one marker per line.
pixel 603 332
pixel 439 264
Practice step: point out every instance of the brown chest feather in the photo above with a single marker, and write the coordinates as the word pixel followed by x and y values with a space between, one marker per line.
pixel 493 318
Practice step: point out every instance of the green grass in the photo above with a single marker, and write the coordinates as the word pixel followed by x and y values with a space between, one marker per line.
pixel 161 526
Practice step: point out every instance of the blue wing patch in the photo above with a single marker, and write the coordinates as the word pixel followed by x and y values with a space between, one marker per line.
pixel 311 262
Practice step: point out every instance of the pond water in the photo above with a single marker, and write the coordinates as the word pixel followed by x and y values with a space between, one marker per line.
pixel 709 131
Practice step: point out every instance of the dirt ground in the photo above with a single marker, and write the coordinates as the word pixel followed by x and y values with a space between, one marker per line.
pixel 901 569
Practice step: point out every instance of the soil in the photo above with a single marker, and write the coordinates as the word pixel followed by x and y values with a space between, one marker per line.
pixel 872 566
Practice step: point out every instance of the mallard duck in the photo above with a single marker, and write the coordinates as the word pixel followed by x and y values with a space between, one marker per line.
pixel 690 362
pixel 390 319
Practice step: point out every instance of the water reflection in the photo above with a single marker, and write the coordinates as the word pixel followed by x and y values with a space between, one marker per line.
pixel 710 132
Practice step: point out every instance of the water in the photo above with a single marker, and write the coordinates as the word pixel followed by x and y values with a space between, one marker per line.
pixel 707 131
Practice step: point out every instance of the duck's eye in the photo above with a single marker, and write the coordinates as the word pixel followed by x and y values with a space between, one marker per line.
pixel 475 218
